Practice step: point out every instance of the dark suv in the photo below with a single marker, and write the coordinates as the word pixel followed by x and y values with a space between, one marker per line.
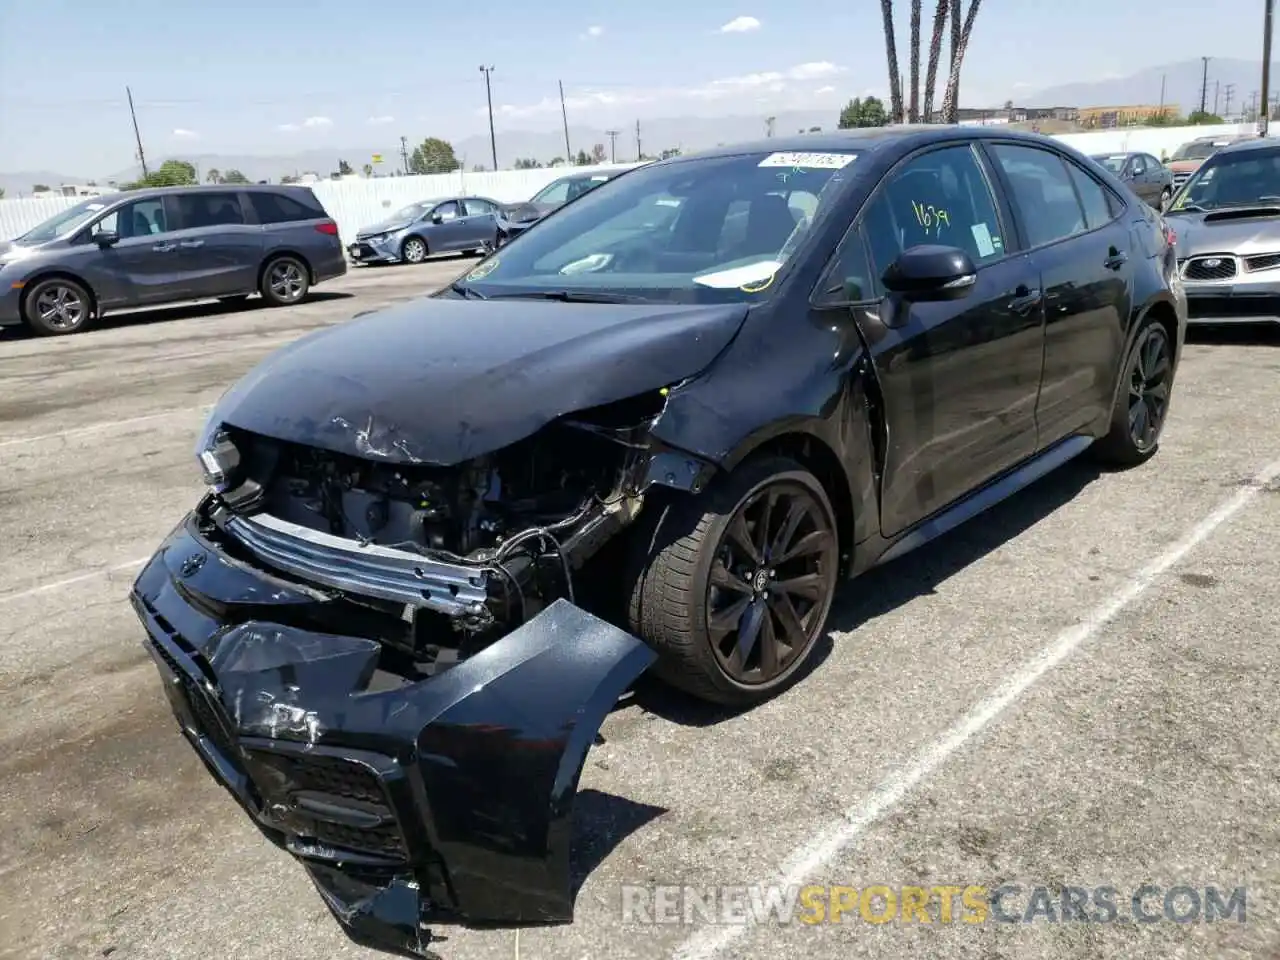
pixel 142 248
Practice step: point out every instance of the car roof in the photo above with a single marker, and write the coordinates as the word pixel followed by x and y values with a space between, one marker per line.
pixel 213 188
pixel 868 140
pixel 1250 143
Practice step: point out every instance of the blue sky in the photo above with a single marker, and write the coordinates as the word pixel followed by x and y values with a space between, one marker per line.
pixel 275 78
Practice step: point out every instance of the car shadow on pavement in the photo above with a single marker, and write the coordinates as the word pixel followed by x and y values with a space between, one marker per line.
pixel 204 308
pixel 884 589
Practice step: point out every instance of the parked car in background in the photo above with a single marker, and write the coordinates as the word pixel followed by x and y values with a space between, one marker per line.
pixel 519 217
pixel 1187 158
pixel 1142 173
pixel 143 248
pixel 629 439
pixel 415 232
pixel 1227 221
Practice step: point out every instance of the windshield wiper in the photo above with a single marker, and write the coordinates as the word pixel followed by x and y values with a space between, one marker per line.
pixel 459 288
pixel 1193 207
pixel 569 296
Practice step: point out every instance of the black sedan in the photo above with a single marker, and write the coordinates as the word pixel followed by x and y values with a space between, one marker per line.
pixel 516 218
pixel 438 542
pixel 1146 176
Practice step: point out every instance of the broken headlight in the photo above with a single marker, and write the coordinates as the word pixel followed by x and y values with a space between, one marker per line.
pixel 218 457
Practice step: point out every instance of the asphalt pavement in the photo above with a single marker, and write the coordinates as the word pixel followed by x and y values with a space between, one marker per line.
pixel 1079 690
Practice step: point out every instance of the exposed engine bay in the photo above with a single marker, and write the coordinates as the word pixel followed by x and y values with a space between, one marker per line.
pixel 466 553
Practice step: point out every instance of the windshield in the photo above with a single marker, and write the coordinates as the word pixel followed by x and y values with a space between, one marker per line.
pixel 570 188
pixel 1113 163
pixel 412 212
pixel 714 229
pixel 1196 151
pixel 62 224
pixel 1233 180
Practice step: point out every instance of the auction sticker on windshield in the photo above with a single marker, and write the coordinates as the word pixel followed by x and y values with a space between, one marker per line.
pixel 811 161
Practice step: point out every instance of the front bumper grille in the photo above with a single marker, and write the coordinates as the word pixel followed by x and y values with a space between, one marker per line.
pixel 210 720
pixel 1209 268
pixel 1179 179
pixel 1228 309
pixel 1263 261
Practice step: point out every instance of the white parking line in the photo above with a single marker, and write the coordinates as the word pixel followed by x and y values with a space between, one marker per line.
pixel 807 860
pixel 105 425
pixel 78 578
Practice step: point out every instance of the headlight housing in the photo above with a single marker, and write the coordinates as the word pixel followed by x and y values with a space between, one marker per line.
pixel 375 237
pixel 219 459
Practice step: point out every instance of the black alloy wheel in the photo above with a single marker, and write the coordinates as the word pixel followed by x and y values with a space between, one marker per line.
pixel 732 586
pixel 771 582
pixel 1150 379
pixel 1142 403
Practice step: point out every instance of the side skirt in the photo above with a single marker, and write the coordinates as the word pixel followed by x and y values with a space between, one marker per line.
pixel 986 497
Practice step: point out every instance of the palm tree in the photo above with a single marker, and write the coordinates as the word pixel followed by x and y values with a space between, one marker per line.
pixel 951 99
pixel 935 53
pixel 213 176
pixel 913 108
pixel 891 52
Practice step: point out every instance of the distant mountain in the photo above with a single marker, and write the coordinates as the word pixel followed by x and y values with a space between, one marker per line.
pixel 1182 85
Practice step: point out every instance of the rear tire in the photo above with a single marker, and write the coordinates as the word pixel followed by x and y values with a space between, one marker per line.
pixel 1142 404
pixel 57 307
pixel 285 281
pixel 732 587
pixel 1165 196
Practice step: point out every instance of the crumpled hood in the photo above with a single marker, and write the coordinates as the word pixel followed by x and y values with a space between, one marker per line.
pixel 1199 233
pixel 527 212
pixel 441 381
pixel 386 226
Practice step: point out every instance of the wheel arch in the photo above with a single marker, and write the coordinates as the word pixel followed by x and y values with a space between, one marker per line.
pixel 275 255
pixel 56 273
pixel 803 442
pixel 413 236
pixel 1162 309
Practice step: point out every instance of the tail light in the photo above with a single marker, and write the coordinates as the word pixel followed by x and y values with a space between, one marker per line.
pixel 328 227
pixel 1170 237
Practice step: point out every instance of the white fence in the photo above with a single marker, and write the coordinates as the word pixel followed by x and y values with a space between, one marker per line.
pixel 353 202
pixel 357 202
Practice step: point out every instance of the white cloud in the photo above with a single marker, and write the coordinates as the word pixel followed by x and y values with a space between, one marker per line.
pixel 183 134
pixel 380 121
pixel 591 33
pixel 741 25
pixel 288 127
pixel 823 90
pixel 773 84
pixel 317 122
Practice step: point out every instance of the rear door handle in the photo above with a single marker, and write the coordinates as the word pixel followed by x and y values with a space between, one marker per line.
pixel 165 247
pixel 1025 300
pixel 1116 260
pixel 192 244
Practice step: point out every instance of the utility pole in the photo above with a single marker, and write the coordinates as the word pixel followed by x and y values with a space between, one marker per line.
pixel 1204 84
pixel 1266 64
pixel 404 153
pixel 639 152
pixel 564 115
pixel 1217 84
pixel 142 157
pixel 1226 102
pixel 1253 106
pixel 613 144
pixel 1163 77
pixel 768 125
pixel 488 93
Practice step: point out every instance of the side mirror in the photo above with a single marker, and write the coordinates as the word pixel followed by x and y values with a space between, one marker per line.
pixel 106 238
pixel 931 273
pixel 437 218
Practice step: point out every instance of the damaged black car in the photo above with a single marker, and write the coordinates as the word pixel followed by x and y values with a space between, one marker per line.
pixel 440 541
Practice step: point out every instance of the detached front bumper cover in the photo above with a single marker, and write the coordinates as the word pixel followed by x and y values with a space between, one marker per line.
pixel 444 799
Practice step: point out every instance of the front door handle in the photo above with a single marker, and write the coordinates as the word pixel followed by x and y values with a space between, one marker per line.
pixel 1025 300
pixel 191 244
pixel 164 247
pixel 1115 259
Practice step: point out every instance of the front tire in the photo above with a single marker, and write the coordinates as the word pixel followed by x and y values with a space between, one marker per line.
pixel 413 250
pixel 736 584
pixel 285 281
pixel 1142 406
pixel 57 307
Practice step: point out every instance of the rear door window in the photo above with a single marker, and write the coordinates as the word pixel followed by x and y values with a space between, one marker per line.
pixel 213 209
pixel 277 208
pixel 1042 191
